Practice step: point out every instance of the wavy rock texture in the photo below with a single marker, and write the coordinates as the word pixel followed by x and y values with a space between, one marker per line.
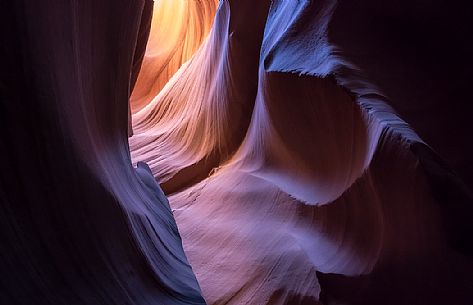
pixel 80 225
pixel 177 30
pixel 279 131
pixel 329 196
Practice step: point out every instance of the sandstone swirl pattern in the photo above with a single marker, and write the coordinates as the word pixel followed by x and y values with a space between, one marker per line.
pixel 229 152
pixel 288 169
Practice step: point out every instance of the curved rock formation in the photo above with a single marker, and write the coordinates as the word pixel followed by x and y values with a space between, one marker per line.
pixel 177 30
pixel 80 225
pixel 281 141
pixel 199 118
pixel 328 179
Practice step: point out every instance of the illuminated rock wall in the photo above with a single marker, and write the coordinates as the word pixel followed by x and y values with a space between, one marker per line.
pixel 327 197
pixel 291 138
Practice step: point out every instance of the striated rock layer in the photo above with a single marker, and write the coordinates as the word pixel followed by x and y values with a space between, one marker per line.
pixel 292 178
pixel 277 128
pixel 177 30
pixel 78 224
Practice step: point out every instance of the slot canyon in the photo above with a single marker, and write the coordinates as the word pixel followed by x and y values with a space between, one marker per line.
pixel 299 152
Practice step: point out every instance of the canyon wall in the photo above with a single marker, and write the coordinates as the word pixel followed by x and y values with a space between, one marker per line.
pixel 313 152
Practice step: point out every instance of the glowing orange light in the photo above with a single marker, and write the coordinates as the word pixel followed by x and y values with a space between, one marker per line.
pixel 178 29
